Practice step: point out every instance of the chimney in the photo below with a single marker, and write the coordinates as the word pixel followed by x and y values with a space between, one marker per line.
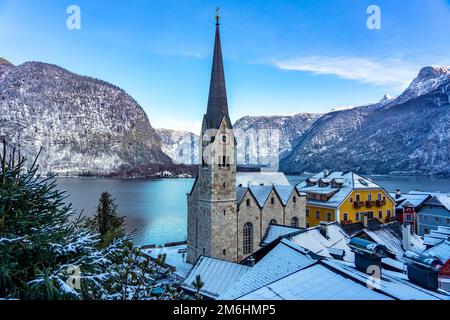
pixel 423 270
pixel 368 255
pixel 406 237
pixel 324 231
pixel 365 220
pixel 398 194
pixel 251 262
pixel 326 173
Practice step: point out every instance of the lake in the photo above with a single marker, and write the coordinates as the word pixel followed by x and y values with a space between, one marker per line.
pixel 157 209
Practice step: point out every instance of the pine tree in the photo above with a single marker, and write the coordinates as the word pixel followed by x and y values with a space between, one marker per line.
pixel 107 221
pixel 198 285
pixel 47 253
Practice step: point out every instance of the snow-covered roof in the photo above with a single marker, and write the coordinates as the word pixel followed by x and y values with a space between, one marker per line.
pixel 285 193
pixel 445 200
pixel 261 194
pixel 246 179
pixel 441 251
pixel 283 260
pixel 175 258
pixel 313 240
pixel 275 231
pixel 316 282
pixel 217 275
pixel 393 284
pixel 438 198
pixel 240 194
pixel 350 181
pixel 415 200
pixel 390 235
pixel 288 273
pixel 437 236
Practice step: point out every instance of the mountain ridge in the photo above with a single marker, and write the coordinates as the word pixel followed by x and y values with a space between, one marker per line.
pixel 85 125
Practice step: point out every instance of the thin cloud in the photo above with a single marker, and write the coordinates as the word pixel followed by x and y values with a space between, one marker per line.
pixel 379 73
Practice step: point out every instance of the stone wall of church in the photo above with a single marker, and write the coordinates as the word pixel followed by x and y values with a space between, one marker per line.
pixel 296 209
pixel 249 214
pixel 271 211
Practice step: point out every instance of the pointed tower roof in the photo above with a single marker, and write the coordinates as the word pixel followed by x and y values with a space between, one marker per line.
pixel 217 102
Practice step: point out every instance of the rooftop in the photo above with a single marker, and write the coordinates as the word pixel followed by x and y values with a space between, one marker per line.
pixel 347 180
pixel 217 275
pixel 245 179
pixel 390 235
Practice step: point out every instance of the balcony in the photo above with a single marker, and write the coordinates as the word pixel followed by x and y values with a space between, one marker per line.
pixel 358 204
pixel 370 204
pixel 380 203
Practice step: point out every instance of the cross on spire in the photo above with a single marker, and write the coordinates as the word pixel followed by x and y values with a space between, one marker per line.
pixel 217 15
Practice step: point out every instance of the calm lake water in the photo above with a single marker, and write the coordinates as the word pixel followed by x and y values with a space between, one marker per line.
pixel 157 208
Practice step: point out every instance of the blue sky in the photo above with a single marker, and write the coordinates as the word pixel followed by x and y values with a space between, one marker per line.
pixel 281 57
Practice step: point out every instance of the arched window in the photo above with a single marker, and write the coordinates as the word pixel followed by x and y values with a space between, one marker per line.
pixel 294 222
pixel 273 221
pixel 247 239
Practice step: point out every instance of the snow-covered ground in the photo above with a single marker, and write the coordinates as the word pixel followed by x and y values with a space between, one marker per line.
pixel 174 258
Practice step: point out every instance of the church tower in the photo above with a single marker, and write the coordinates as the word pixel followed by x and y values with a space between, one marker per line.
pixel 212 206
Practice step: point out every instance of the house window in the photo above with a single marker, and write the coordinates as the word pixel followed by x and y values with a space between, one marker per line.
pixel 380 214
pixel 294 199
pixel 317 214
pixel 307 225
pixel 351 200
pixel 370 215
pixel 328 216
pixel 448 221
pixel 437 220
pixel 379 196
pixel 369 197
pixel 224 252
pixel 358 198
pixel 345 216
pixel 247 239
pixel 248 202
pixel 357 216
pixel 294 222
pixel 272 201
pixel 425 218
pixel 389 213
pixel 426 231
pixel 273 221
pixel 307 212
pixel 409 218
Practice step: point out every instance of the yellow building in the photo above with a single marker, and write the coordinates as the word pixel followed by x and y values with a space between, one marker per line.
pixel 345 197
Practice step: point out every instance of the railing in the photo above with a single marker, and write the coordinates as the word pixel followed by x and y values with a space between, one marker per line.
pixel 380 203
pixel 370 204
pixel 358 204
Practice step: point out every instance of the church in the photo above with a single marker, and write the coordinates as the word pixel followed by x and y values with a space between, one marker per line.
pixel 229 212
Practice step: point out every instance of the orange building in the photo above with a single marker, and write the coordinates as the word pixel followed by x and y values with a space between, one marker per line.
pixel 345 197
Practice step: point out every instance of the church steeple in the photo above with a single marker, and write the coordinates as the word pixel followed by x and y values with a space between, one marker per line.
pixel 217 102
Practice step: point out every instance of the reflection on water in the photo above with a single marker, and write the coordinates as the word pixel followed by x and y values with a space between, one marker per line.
pixel 157 208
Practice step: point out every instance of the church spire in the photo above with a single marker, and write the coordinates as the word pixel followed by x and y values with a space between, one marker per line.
pixel 217 102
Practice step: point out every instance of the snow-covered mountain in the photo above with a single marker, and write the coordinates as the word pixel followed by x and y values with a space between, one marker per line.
pixel 261 140
pixel 408 134
pixel 180 146
pixel 265 140
pixel 84 125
